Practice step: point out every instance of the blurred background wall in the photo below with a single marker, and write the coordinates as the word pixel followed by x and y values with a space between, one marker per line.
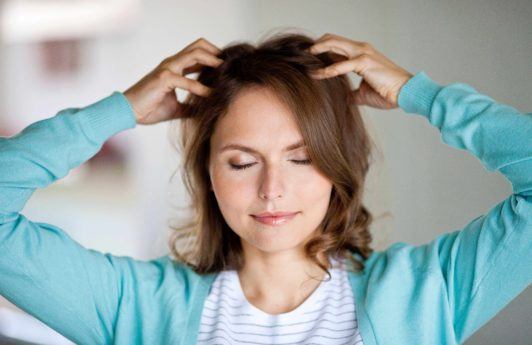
pixel 59 54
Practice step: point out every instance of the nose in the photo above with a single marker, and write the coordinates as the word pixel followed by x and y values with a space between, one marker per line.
pixel 271 186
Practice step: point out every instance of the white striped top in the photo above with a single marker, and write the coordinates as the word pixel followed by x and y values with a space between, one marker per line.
pixel 327 316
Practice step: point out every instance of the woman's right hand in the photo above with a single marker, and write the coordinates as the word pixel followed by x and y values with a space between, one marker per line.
pixel 153 98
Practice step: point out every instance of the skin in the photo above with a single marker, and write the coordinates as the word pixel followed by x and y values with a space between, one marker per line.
pixel 274 255
pixel 276 278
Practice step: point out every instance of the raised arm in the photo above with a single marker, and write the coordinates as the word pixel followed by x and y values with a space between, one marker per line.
pixel 42 270
pixel 486 264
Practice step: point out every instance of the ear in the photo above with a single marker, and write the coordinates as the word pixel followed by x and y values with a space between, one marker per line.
pixel 210 183
pixel 207 166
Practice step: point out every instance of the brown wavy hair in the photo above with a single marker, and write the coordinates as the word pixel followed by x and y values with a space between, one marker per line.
pixel 331 127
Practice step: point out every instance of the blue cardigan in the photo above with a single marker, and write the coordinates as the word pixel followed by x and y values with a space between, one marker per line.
pixel 437 293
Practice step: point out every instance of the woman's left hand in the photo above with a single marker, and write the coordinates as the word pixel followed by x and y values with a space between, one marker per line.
pixel 381 78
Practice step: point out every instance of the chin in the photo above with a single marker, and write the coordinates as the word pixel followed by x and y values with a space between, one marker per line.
pixel 274 240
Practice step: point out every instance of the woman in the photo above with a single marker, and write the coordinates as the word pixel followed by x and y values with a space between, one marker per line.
pixel 269 129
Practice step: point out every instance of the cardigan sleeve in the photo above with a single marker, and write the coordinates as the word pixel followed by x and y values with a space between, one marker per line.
pixel 487 263
pixel 43 271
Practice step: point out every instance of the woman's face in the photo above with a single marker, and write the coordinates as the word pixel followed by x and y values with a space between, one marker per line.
pixel 273 181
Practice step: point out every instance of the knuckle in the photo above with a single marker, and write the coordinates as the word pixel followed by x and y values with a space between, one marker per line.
pixel 364 57
pixel 324 37
pixel 164 74
pixel 165 63
pixel 330 70
pixel 195 86
pixel 196 51
pixel 367 46
pixel 202 51
pixel 184 83
pixel 189 84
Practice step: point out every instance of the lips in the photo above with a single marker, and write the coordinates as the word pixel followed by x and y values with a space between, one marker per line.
pixel 274 214
pixel 273 219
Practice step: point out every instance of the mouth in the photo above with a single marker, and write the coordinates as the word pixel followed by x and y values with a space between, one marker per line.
pixel 275 219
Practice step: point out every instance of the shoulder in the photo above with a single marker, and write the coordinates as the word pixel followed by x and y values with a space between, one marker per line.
pixel 402 258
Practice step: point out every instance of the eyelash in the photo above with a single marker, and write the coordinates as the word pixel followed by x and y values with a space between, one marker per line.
pixel 245 166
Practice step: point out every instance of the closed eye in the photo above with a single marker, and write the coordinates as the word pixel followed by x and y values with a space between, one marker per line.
pixel 245 166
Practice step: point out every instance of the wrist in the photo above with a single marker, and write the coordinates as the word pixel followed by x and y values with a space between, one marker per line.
pixel 418 94
pixel 130 99
pixel 399 84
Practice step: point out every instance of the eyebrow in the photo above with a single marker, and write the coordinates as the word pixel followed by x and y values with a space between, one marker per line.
pixel 252 150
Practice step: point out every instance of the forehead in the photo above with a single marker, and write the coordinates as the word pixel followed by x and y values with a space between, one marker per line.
pixel 256 118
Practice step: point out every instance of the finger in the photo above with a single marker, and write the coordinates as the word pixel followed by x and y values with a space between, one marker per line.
pixel 330 45
pixel 335 57
pixel 329 36
pixel 193 69
pixel 366 95
pixel 359 65
pixel 199 43
pixel 193 57
pixel 175 81
pixel 320 39
pixel 204 44
pixel 324 37
pixel 357 95
pixel 340 45
pixel 193 86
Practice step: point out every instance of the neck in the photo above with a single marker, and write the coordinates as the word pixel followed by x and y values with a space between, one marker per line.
pixel 279 282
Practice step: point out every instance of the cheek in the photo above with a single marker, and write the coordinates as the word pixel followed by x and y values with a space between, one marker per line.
pixel 315 189
pixel 233 193
pixel 315 196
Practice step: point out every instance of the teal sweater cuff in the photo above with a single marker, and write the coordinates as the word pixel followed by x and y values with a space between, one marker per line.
pixel 105 118
pixel 417 95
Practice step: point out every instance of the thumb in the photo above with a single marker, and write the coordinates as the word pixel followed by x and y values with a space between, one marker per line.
pixel 361 95
pixel 366 95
